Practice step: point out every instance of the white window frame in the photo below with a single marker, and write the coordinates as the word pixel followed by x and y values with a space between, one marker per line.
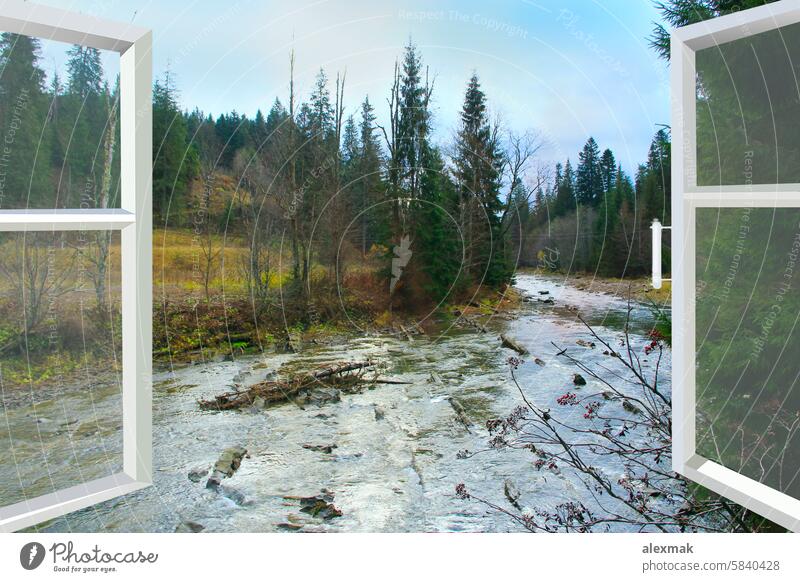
pixel 134 221
pixel 686 197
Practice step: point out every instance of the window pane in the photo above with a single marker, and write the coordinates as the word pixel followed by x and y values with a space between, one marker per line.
pixel 748 110
pixel 59 129
pixel 60 361
pixel 748 342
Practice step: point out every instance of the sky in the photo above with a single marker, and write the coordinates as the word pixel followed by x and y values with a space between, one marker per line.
pixel 567 69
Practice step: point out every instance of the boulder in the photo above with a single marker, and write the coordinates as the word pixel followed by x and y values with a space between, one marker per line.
pixel 228 463
pixel 578 380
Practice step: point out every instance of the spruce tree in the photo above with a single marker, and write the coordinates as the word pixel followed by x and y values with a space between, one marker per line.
pixel 588 179
pixel 413 127
pixel 25 158
pixel 565 202
pixel 376 216
pixel 608 170
pixel 437 247
pixel 478 165
pixel 175 162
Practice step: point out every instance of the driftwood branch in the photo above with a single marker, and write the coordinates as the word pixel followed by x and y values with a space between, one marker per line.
pixel 273 391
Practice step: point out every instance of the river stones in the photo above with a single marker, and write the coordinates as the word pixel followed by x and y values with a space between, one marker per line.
pixel 196 475
pixel 585 344
pixel 189 526
pixel 630 407
pixel 234 495
pixel 319 396
pixel 512 493
pixel 578 380
pixel 380 413
pixel 320 506
pixel 228 463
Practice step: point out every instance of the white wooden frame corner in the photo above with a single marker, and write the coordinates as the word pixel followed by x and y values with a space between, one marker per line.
pixel 134 221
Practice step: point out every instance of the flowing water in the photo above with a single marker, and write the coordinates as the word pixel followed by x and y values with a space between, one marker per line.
pixel 392 462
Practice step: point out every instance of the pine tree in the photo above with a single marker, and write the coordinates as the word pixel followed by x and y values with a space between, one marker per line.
pixel 321 110
pixel 414 120
pixel 608 170
pixel 350 145
pixel 85 71
pixel 86 95
pixel 565 201
pixel 478 165
pixel 24 172
pixel 437 247
pixel 174 160
pixel 374 222
pixel 588 179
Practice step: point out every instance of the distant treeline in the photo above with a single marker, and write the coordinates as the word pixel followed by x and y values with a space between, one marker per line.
pixel 595 218
pixel 320 192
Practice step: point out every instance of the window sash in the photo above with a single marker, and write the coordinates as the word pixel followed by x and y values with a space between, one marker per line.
pixel 133 219
pixel 687 196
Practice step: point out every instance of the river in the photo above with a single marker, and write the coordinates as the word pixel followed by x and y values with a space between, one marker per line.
pixel 393 461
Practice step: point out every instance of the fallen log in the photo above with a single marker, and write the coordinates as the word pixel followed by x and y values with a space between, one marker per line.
pixel 512 344
pixel 273 391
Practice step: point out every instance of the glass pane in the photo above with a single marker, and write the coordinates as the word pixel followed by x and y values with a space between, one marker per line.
pixel 59 129
pixel 60 361
pixel 747 342
pixel 748 110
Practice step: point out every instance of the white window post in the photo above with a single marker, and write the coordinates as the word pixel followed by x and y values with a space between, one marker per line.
pixel 687 196
pixel 133 219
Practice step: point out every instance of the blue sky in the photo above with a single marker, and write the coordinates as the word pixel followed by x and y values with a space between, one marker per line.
pixel 568 68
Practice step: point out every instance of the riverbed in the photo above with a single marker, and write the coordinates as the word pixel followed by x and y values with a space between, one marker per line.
pixel 388 456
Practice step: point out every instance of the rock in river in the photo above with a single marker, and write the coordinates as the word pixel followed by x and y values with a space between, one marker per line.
pixel 512 492
pixel 196 475
pixel 229 461
pixel 189 527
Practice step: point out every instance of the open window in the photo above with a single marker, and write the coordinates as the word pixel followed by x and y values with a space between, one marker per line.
pixel 736 257
pixel 63 243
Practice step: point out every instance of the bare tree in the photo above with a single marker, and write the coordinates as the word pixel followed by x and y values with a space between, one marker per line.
pixel 522 177
pixel 260 217
pixel 29 265
pixel 628 423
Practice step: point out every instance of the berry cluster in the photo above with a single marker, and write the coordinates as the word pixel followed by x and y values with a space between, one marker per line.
pixel 568 399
